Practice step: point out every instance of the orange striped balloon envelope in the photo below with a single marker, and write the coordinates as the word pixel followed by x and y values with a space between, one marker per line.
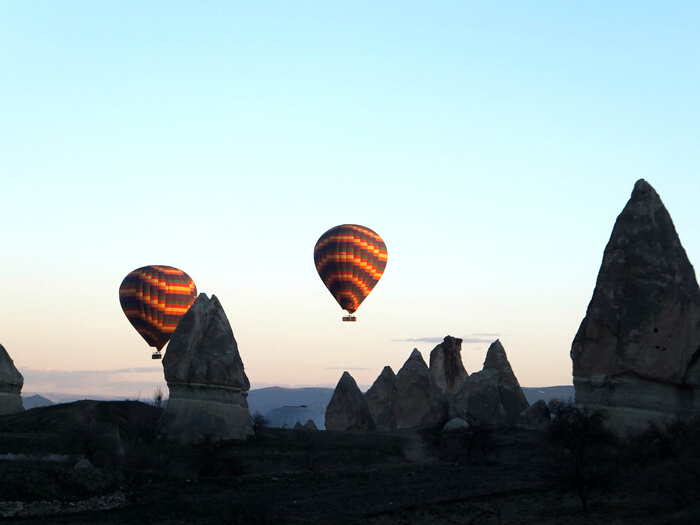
pixel 350 259
pixel 154 299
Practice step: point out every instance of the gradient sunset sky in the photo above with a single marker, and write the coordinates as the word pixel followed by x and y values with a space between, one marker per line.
pixel 491 145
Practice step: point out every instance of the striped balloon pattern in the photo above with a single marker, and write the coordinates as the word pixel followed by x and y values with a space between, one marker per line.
pixel 350 259
pixel 154 299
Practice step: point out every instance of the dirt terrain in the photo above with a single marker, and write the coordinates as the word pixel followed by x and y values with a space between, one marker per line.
pixel 299 477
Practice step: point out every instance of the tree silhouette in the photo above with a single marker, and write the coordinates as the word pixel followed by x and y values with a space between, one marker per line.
pixel 580 448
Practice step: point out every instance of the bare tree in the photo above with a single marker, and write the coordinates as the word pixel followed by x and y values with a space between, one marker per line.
pixel 259 421
pixel 580 448
pixel 310 449
pixel 158 397
pixel 663 460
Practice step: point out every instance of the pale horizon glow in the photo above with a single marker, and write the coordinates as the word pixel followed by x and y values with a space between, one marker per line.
pixel 491 145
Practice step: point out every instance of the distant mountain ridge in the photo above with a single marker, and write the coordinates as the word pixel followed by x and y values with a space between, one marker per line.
pixel 35 401
pixel 317 398
pixel 265 399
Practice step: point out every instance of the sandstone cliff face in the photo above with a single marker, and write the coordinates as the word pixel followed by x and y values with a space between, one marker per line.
pixel 347 409
pixel 637 350
pixel 11 382
pixel 206 378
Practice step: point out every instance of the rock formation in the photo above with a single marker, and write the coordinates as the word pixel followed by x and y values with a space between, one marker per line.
pixel 309 425
pixel 289 415
pixel 11 382
pixel 347 409
pixel 418 400
pixel 379 399
pixel 493 394
pixel 446 365
pixel 456 424
pixel 205 375
pixel 536 416
pixel 422 397
pixel 512 396
pixel 637 350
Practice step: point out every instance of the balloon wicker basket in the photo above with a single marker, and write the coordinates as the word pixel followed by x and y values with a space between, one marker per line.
pixel 156 355
pixel 350 318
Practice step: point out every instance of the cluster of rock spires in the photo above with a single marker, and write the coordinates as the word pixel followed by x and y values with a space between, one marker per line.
pixel 11 382
pixel 636 354
pixel 206 378
pixel 637 351
pixel 422 396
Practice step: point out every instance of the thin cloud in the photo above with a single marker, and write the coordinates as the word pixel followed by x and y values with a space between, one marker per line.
pixel 480 338
pixel 436 340
pixel 345 368
pixel 49 371
pixel 469 339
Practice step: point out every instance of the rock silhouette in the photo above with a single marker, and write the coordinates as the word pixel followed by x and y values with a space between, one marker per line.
pixel 419 396
pixel 11 382
pixel 493 394
pixel 637 349
pixel 379 400
pixel 418 400
pixel 347 409
pixel 206 378
pixel 446 365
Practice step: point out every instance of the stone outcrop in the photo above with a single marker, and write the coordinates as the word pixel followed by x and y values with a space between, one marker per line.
pixel 536 416
pixel 418 400
pixel 637 350
pixel 379 400
pixel 493 394
pixel 479 398
pixel 206 378
pixel 347 409
pixel 446 365
pixel 104 444
pixel 419 396
pixel 309 425
pixel 456 424
pixel 11 382
pixel 511 395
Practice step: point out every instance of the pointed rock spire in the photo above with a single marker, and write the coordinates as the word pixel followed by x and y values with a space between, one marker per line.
pixel 379 398
pixel 347 409
pixel 639 344
pixel 493 394
pixel 418 401
pixel 206 378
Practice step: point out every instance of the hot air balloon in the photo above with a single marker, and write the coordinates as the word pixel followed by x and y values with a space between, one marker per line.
pixel 154 298
pixel 350 259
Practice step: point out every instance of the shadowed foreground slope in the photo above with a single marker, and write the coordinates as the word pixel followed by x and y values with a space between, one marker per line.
pixel 289 477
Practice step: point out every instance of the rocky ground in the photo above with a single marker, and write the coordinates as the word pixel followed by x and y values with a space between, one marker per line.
pixel 298 477
pixel 308 477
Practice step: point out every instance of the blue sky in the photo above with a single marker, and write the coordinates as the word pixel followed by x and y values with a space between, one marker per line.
pixel 491 144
